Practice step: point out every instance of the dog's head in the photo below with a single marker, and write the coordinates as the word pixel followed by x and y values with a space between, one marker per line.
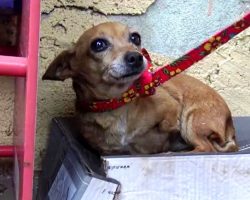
pixel 106 60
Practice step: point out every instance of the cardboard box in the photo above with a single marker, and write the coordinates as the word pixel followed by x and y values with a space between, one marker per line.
pixel 155 177
pixel 70 171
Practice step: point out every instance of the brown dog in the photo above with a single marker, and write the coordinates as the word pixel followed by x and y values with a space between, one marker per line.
pixel 104 63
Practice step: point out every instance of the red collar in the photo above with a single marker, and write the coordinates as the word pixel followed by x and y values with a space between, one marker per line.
pixel 147 83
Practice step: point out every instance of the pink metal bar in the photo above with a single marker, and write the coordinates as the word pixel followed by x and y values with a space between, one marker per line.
pixel 26 99
pixel 13 66
pixel 6 151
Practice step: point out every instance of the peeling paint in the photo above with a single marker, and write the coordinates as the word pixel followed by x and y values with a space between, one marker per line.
pixel 106 7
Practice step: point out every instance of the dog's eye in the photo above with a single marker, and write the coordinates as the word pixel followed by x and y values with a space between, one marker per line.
pixel 99 45
pixel 135 38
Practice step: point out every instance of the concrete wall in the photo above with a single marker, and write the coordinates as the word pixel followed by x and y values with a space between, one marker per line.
pixel 6 109
pixel 227 70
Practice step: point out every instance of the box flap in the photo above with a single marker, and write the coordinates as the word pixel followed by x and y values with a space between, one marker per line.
pixel 206 177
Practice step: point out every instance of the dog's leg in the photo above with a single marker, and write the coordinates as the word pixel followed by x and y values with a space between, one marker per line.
pixel 209 135
pixel 229 143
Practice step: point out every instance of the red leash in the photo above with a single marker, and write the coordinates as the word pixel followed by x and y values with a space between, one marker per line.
pixel 148 82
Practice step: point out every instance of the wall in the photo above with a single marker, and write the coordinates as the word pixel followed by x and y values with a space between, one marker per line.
pixel 227 70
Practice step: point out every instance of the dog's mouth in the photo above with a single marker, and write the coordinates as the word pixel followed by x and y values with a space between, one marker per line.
pixel 131 74
pixel 128 75
pixel 121 72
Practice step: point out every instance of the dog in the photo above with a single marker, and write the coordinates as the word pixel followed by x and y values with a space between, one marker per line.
pixel 183 115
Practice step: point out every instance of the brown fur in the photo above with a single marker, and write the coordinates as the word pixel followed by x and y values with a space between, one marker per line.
pixel 183 106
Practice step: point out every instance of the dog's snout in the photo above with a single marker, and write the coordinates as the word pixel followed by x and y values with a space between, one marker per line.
pixel 134 59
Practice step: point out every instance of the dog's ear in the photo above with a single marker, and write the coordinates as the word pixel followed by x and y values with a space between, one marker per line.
pixel 60 68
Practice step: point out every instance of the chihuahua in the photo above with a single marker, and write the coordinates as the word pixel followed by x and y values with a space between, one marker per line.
pixel 183 115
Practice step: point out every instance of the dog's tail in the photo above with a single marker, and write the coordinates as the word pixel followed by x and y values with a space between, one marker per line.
pixel 227 144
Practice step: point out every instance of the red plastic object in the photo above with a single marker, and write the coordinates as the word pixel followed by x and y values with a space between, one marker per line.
pixel 22 63
pixel 7 151
pixel 7 51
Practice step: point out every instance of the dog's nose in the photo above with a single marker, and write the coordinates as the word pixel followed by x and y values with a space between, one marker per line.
pixel 133 59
